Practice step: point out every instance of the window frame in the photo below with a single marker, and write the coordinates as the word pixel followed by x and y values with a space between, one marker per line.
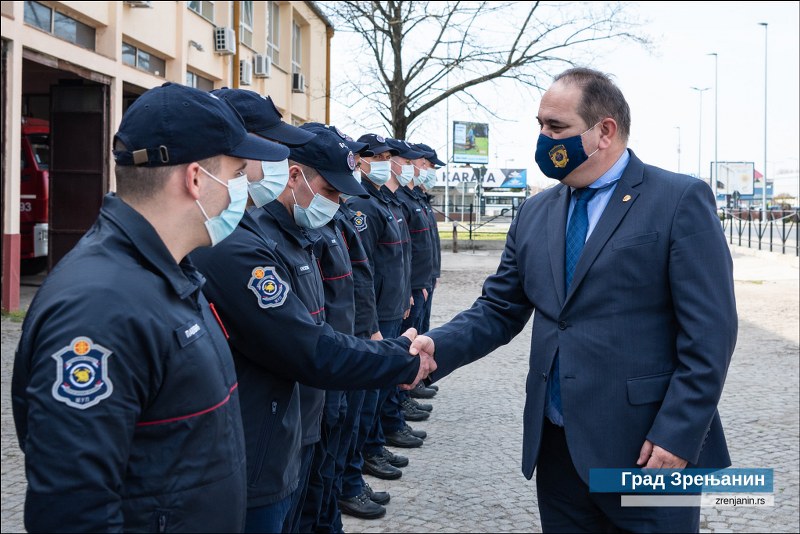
pixel 80 27
pixel 136 63
pixel 297 48
pixel 201 5
pixel 273 45
pixel 245 28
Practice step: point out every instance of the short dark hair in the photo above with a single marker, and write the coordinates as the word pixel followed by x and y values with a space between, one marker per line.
pixel 309 172
pixel 600 98
pixel 138 183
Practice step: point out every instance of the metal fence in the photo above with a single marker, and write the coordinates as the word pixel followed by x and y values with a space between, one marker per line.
pixel 775 231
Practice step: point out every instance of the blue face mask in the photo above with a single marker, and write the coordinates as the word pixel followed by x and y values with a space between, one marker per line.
pixel 559 157
pixel 406 175
pixel 431 180
pixel 318 213
pixel 223 225
pixel 379 172
pixel 276 175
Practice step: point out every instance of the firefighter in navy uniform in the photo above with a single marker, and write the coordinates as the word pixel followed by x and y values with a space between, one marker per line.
pixel 124 391
pixel 266 286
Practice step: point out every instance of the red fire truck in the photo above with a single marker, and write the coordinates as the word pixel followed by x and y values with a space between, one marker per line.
pixel 34 181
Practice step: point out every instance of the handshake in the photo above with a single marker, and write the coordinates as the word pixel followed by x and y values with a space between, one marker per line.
pixel 421 346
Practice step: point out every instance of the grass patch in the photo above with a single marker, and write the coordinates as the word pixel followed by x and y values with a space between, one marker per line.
pixel 463 235
pixel 15 316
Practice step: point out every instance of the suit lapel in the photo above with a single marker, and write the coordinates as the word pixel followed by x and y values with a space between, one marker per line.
pixel 556 230
pixel 612 216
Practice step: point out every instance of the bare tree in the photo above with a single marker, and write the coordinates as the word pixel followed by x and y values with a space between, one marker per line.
pixel 417 54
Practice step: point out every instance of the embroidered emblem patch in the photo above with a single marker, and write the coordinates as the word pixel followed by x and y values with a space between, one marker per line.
pixel 82 374
pixel 268 287
pixel 360 221
pixel 380 139
pixel 351 161
pixel 558 155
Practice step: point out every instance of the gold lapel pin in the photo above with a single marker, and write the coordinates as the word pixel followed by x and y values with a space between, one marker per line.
pixel 626 198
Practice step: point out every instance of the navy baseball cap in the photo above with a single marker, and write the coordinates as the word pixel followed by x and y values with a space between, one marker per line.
pixel 376 145
pixel 351 143
pixel 429 154
pixel 175 124
pixel 404 149
pixel 330 156
pixel 262 117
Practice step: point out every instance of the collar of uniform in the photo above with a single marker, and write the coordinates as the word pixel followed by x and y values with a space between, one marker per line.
pixel 391 196
pixel 183 278
pixel 372 189
pixel 278 212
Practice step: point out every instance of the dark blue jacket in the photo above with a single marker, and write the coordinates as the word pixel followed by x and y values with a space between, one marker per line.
pixel 255 280
pixel 419 228
pixel 366 316
pixel 436 267
pixel 336 270
pixel 644 335
pixel 397 208
pixel 124 392
pixel 382 238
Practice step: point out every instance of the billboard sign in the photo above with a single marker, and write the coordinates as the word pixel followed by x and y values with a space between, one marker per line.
pixel 494 178
pixel 735 176
pixel 470 142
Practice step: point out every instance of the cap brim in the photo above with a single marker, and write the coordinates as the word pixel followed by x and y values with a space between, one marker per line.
pixel 411 154
pixel 287 134
pixel 355 146
pixel 380 149
pixel 344 183
pixel 258 148
pixel 437 162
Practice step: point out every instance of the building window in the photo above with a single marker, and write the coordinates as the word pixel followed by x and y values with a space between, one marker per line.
pixel 297 49
pixel 246 23
pixel 59 24
pixel 274 32
pixel 140 59
pixel 204 9
pixel 198 82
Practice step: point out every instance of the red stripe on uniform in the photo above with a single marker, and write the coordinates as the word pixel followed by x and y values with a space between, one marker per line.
pixel 196 414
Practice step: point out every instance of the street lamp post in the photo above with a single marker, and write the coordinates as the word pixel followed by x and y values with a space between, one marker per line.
pixel 700 130
pixel 764 174
pixel 716 125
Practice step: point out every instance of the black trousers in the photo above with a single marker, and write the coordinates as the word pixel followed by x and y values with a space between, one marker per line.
pixel 566 505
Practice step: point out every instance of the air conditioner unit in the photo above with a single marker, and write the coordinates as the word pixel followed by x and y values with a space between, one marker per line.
pixel 136 3
pixel 245 72
pixel 224 41
pixel 263 66
pixel 298 83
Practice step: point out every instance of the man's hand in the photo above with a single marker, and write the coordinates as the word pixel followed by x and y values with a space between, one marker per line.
pixel 377 336
pixel 651 456
pixel 406 314
pixel 425 294
pixel 427 365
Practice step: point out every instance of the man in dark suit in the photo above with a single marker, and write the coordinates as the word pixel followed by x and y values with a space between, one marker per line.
pixel 629 277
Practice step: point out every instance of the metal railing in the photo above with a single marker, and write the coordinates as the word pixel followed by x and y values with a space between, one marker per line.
pixel 777 231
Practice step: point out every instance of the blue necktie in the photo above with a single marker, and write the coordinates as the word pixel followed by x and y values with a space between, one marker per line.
pixel 576 238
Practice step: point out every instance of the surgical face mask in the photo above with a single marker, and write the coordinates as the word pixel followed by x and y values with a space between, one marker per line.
pixel 379 172
pixel 276 175
pixel 318 213
pixel 221 226
pixel 357 175
pixel 559 157
pixel 406 174
pixel 430 182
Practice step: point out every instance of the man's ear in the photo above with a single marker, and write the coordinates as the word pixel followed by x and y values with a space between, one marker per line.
pixel 295 176
pixel 608 132
pixel 191 179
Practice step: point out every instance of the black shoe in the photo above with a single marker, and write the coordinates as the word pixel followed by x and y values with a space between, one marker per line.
pixel 361 506
pixel 412 414
pixel 434 387
pixel 378 497
pixel 418 405
pixel 393 459
pixel 421 434
pixel 377 466
pixel 422 392
pixel 403 439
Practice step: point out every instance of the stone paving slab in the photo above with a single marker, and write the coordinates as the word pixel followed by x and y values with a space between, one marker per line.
pixel 467 478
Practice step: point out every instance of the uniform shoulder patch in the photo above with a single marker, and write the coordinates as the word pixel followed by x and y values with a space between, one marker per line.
pixel 82 374
pixel 360 221
pixel 270 289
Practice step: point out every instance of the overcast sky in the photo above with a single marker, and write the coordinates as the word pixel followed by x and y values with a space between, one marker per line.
pixel 657 85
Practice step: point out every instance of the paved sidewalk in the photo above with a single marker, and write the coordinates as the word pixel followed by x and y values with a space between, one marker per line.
pixel 466 477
